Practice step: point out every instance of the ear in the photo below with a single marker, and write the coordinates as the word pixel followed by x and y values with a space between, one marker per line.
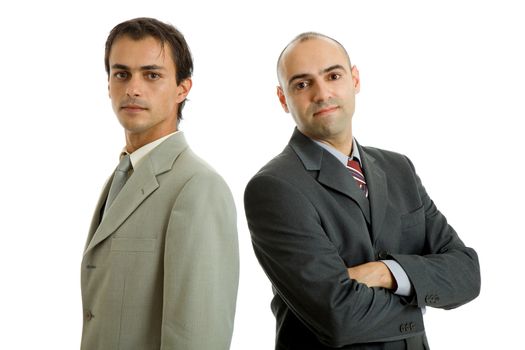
pixel 282 99
pixel 183 89
pixel 355 79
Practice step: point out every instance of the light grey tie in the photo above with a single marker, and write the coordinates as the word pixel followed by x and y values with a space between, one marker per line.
pixel 119 179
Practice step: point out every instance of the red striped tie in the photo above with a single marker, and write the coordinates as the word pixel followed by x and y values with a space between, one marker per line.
pixel 357 174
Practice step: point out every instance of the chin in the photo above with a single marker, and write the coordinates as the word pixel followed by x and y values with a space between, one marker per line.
pixel 133 127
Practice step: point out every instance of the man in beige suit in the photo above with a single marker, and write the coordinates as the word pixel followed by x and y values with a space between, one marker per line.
pixel 160 268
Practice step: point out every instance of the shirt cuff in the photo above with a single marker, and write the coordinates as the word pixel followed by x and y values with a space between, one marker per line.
pixel 404 287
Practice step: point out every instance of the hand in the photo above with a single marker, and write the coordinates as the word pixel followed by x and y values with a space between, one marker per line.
pixel 373 274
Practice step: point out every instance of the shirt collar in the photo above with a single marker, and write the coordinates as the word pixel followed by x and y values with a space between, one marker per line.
pixel 343 158
pixel 139 154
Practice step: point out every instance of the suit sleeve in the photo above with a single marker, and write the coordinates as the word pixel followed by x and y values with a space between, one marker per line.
pixel 447 275
pixel 307 272
pixel 201 267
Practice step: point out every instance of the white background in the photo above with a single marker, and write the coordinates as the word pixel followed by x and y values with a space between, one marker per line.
pixel 440 81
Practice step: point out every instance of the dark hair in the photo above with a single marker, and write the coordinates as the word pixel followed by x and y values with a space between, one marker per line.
pixel 139 28
pixel 308 36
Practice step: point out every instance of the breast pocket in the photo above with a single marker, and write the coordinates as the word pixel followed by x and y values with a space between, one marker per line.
pixel 133 245
pixel 413 231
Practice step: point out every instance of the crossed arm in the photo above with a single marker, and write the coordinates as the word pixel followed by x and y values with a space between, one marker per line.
pixel 341 304
pixel 310 276
pixel 447 267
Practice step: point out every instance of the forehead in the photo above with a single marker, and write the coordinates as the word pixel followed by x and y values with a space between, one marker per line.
pixel 146 51
pixel 312 56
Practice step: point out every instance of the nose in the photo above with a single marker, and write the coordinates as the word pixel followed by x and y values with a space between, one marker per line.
pixel 133 88
pixel 322 92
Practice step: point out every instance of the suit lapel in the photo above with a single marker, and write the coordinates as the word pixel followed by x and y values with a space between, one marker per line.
pixel 139 186
pixel 377 191
pixel 97 215
pixel 332 173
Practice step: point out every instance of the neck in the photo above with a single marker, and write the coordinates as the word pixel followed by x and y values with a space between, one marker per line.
pixel 342 142
pixel 134 141
pixel 343 147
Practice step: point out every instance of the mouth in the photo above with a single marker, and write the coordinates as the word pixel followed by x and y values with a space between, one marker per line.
pixel 325 111
pixel 133 108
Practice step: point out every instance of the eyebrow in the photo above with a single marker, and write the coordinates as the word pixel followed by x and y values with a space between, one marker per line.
pixel 323 71
pixel 334 67
pixel 143 68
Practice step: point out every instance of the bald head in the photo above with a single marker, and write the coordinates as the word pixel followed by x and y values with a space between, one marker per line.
pixel 300 39
pixel 317 86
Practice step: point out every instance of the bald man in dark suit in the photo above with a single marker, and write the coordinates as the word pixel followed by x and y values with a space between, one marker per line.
pixel 348 236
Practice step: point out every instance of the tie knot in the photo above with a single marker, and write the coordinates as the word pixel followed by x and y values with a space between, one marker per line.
pixel 125 164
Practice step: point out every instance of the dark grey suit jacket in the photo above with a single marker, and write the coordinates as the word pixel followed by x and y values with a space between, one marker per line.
pixel 309 222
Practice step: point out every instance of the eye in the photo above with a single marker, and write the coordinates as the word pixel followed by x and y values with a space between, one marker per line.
pixel 121 75
pixel 302 85
pixel 152 75
pixel 335 76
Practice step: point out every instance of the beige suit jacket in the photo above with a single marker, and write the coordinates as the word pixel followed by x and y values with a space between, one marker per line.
pixel 161 269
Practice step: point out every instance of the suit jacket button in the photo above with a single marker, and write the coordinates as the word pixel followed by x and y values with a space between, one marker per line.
pixel 405 327
pixel 383 255
pixel 412 326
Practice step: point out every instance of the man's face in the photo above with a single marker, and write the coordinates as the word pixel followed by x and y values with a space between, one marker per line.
pixel 318 88
pixel 143 88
